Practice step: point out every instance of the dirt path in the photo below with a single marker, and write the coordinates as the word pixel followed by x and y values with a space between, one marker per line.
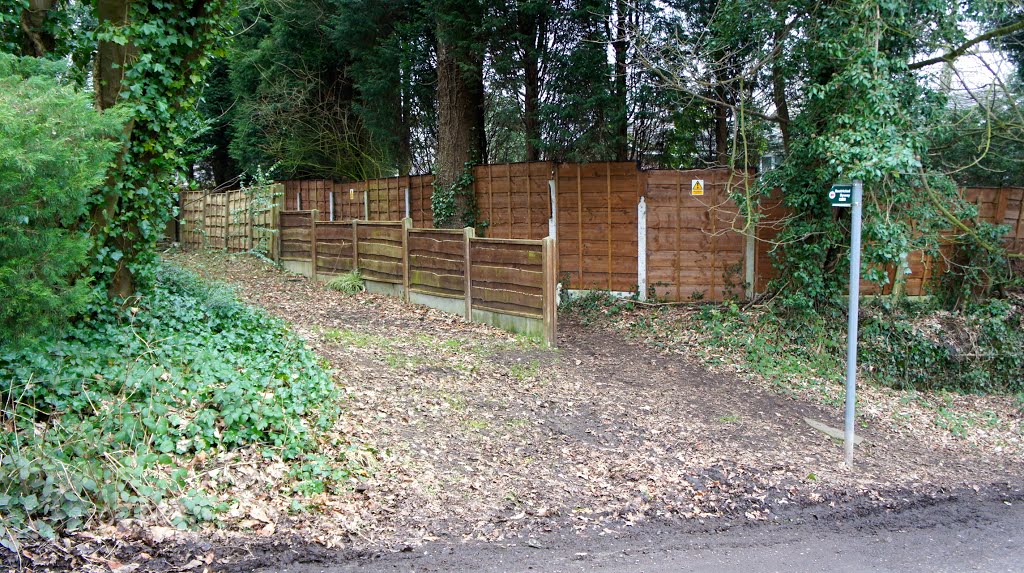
pixel 481 436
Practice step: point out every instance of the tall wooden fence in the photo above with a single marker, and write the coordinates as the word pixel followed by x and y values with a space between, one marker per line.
pixel 996 205
pixel 618 228
pixel 509 283
pixel 236 221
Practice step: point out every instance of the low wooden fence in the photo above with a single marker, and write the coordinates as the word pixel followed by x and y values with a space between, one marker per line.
pixel 509 283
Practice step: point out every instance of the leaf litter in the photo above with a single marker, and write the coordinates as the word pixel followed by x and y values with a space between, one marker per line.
pixel 467 432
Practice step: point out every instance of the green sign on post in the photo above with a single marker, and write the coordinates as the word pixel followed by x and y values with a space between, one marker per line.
pixel 841 195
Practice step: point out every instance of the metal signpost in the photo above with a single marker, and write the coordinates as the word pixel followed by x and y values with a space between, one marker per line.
pixel 851 196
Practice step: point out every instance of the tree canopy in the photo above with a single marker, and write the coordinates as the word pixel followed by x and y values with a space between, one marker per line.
pixel 352 89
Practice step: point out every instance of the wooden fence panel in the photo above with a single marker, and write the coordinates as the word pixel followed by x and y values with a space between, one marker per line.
pixel 216 220
pixel 239 227
pixel 514 198
pixel 1013 217
pixel 192 232
pixel 597 225
pixel 507 276
pixel 437 261
pixel 307 195
pixel 379 251
pixel 296 236
pixel 693 248
pixel 348 202
pixel 1001 206
pixel 334 248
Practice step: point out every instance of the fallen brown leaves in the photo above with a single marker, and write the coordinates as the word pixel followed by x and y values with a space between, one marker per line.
pixel 471 433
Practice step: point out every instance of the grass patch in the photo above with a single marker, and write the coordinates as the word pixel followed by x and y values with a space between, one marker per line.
pixel 102 422
pixel 348 283
pixel 478 425
pixel 356 339
pixel 523 372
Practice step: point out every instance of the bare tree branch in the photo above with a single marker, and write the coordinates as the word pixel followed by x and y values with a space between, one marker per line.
pixel 962 49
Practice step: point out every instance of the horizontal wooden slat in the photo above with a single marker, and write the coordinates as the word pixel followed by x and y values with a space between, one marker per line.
pixel 507 275
pixel 488 295
pixel 391 269
pixel 380 250
pixel 448 263
pixel 445 282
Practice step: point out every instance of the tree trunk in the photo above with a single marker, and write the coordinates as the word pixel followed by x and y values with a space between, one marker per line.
pixel 530 106
pixel 404 158
pixel 460 119
pixel 111 60
pixel 38 40
pixel 534 35
pixel 721 128
pixel 620 47
pixel 779 91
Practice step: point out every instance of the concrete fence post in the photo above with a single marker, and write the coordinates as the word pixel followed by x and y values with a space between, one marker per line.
pixel 206 220
pixel 406 225
pixel 469 233
pixel 641 249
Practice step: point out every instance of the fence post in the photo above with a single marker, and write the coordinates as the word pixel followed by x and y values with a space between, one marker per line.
pixel 641 249
pixel 469 233
pixel 355 245
pixel 312 242
pixel 366 203
pixel 206 220
pixel 249 219
pixel 227 219
pixel 330 201
pixel 553 220
pixel 406 225
pixel 275 222
pixel 549 259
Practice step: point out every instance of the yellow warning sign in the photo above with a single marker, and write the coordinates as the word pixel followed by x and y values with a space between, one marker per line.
pixel 697 187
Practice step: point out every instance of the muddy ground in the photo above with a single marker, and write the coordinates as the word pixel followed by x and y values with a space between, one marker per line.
pixel 483 441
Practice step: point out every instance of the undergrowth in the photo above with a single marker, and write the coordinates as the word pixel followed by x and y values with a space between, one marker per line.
pixel 906 346
pixel 101 422
pixel 348 283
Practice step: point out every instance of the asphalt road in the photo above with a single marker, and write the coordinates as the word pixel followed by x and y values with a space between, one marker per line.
pixel 952 535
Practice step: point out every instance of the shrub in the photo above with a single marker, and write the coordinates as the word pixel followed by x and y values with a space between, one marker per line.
pixel 976 350
pixel 54 150
pixel 97 421
pixel 348 283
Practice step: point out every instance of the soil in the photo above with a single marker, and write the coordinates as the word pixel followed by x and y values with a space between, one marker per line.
pixel 491 453
pixel 957 533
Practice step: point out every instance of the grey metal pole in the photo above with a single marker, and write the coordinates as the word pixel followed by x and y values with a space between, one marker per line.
pixel 851 336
